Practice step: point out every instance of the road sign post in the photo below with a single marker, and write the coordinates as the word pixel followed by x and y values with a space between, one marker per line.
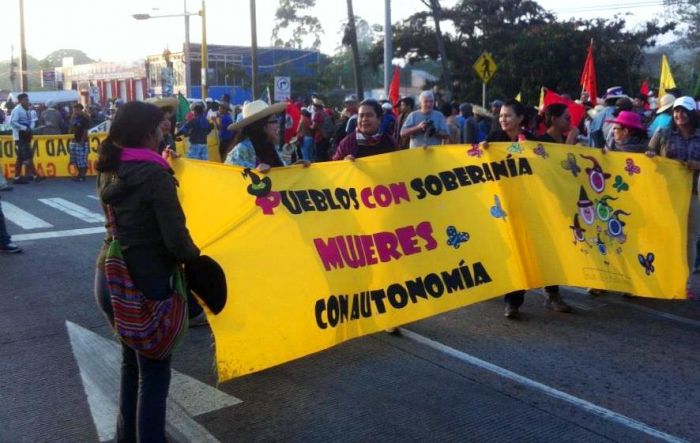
pixel 283 89
pixel 485 68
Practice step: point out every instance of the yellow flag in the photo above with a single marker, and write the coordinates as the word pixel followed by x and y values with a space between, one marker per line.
pixel 666 80
pixel 519 97
pixel 319 255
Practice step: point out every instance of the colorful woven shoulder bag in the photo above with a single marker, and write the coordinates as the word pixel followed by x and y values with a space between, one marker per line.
pixel 153 328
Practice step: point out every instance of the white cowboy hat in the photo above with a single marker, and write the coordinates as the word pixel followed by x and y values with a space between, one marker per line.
pixel 665 103
pixel 256 110
pixel 163 101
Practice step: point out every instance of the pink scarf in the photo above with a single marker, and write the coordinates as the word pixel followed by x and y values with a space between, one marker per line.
pixel 143 155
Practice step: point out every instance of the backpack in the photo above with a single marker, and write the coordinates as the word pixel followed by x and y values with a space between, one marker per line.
pixel 328 127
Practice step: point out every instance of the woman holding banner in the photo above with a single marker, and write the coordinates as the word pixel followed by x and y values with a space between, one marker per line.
pixel 682 142
pixel 512 120
pixel 256 137
pixel 367 139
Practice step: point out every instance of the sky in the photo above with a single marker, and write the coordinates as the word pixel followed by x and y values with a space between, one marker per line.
pixel 105 30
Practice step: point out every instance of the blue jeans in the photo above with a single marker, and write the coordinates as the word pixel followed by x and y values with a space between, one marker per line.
pixel 198 152
pixel 4 236
pixel 307 148
pixel 144 385
pixel 142 398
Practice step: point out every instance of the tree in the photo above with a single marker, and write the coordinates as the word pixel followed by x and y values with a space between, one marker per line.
pixel 55 59
pixel 437 14
pixel 350 39
pixel 302 26
pixel 530 47
pixel 687 12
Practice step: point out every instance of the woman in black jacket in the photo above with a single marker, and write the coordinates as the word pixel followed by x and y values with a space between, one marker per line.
pixel 150 224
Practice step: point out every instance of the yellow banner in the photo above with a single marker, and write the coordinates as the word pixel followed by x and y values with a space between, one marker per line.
pixel 51 157
pixel 50 154
pixel 316 256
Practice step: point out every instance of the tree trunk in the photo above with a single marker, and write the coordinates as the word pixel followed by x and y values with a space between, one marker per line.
pixel 436 11
pixel 355 53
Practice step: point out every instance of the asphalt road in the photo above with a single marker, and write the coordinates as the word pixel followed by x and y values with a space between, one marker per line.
pixel 617 369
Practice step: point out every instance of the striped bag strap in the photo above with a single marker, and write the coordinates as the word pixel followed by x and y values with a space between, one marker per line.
pixel 111 222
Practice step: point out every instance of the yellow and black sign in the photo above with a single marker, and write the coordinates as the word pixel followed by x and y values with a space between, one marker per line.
pixel 485 67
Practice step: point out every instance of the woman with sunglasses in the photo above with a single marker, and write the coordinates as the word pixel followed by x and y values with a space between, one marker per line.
pixel 255 145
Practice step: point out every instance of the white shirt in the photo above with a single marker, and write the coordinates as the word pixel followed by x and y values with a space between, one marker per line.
pixel 20 120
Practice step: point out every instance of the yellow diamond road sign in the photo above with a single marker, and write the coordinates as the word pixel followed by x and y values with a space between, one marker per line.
pixel 485 67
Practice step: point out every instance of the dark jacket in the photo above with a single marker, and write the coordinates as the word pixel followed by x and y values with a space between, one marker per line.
pixel 150 223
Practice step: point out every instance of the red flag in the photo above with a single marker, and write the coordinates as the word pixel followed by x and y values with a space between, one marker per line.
pixel 645 90
pixel 291 121
pixel 577 111
pixel 394 87
pixel 588 76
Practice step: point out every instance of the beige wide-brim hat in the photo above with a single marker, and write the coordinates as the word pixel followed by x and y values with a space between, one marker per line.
pixel 256 110
pixel 481 111
pixel 665 103
pixel 163 102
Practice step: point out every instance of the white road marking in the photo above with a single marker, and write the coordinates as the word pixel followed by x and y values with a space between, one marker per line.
pixel 22 218
pixel 655 312
pixel 99 361
pixel 94 197
pixel 552 392
pixel 73 210
pixel 57 234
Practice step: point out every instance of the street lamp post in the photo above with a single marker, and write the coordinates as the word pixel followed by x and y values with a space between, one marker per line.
pixel 205 55
pixel 188 76
pixel 22 50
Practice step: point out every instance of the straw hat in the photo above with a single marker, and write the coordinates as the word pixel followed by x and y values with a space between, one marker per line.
pixel 665 103
pixel 163 102
pixel 256 110
pixel 482 112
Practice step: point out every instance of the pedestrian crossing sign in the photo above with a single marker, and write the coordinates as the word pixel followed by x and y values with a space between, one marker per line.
pixel 485 67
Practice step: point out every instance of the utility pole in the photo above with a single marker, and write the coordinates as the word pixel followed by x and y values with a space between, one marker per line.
pixel 357 73
pixel 188 75
pixel 205 54
pixel 24 86
pixel 13 65
pixel 253 50
pixel 388 52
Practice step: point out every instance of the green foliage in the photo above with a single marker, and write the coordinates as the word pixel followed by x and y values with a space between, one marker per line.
pixel 289 15
pixel 531 48
pixel 55 59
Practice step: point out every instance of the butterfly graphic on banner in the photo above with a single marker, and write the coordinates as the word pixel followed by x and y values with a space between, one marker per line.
pixel 475 151
pixel 620 184
pixel 631 168
pixel 570 164
pixel 647 262
pixel 541 151
pixel 497 210
pixel 455 238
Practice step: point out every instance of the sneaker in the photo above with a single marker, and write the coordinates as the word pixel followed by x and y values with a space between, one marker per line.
pixel 553 301
pixel 6 188
pixel 199 320
pixel 38 178
pixel 593 292
pixel 10 248
pixel 393 331
pixel 20 181
pixel 511 312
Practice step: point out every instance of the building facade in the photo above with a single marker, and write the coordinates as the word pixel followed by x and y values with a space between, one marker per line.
pixel 103 81
pixel 229 70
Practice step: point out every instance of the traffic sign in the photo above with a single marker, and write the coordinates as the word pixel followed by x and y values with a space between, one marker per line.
pixel 485 67
pixel 283 89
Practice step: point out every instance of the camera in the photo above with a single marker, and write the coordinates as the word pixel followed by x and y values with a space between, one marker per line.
pixel 429 128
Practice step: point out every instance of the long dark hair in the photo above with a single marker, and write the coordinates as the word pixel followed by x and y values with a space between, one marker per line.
pixel 692 119
pixel 132 124
pixel 264 149
pixel 555 110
